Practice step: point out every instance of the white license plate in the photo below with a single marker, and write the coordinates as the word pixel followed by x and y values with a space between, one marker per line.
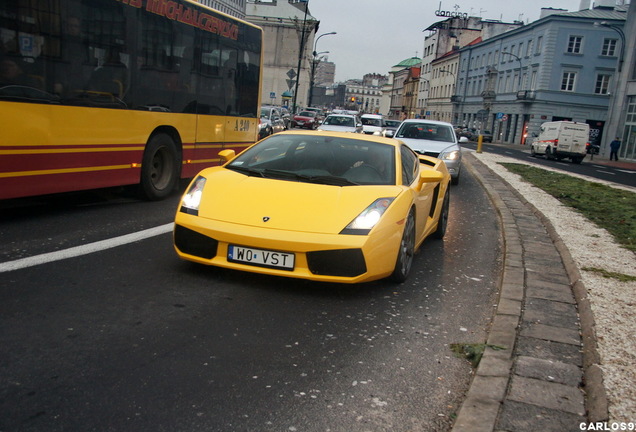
pixel 260 257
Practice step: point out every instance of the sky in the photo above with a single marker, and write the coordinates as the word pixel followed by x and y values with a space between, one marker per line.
pixel 374 35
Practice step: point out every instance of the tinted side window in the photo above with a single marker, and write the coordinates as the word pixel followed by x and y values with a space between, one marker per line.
pixel 409 165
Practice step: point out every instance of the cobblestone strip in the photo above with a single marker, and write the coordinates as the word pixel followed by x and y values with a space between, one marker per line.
pixel 531 375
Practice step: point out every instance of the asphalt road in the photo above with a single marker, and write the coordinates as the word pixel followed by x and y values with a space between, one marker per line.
pixel 589 167
pixel 133 339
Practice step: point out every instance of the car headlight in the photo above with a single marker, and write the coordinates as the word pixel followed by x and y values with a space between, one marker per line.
pixel 450 155
pixel 369 217
pixel 192 199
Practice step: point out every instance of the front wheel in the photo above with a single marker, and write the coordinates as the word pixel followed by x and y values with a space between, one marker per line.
pixel 548 154
pixel 442 223
pixel 406 251
pixel 160 167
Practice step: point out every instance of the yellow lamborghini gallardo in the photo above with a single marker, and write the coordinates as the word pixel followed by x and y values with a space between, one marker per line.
pixel 324 206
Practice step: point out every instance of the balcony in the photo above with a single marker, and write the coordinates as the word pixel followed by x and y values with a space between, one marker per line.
pixel 488 95
pixel 525 95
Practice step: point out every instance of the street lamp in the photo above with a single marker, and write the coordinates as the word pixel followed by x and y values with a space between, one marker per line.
pixel 314 66
pixel 620 32
pixel 314 63
pixel 300 57
pixel 519 60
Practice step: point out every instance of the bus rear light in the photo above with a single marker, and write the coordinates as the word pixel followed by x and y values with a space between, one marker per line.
pixel 135 165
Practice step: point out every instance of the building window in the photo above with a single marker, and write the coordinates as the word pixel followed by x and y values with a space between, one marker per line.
pixel 567 83
pixel 602 84
pixel 529 49
pixel 574 45
pixel 539 45
pixel 609 47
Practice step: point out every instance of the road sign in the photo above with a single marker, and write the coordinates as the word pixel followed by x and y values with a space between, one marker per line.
pixel 291 73
pixel 500 116
pixel 504 117
pixel 272 95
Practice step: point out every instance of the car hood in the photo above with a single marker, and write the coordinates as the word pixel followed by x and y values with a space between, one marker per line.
pixel 289 205
pixel 303 118
pixel 428 146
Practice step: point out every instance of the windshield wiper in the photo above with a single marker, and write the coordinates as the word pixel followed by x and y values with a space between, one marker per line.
pixel 246 170
pixel 331 180
pixel 319 179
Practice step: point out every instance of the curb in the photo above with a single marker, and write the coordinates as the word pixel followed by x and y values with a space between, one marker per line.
pixel 480 410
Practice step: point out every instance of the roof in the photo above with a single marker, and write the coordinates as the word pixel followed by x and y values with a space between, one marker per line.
pixel 409 62
pixel 617 13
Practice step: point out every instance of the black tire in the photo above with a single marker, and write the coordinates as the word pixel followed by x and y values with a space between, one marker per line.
pixel 577 160
pixel 442 224
pixel 160 167
pixel 406 252
pixel 532 152
pixel 455 180
pixel 548 154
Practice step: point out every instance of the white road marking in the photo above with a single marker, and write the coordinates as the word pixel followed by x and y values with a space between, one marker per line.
pixel 605 172
pixel 84 249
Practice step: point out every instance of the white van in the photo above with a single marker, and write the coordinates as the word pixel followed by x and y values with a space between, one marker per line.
pixel 562 139
pixel 372 124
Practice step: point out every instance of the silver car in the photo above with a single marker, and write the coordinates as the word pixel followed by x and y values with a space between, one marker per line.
pixel 341 123
pixel 270 122
pixel 433 138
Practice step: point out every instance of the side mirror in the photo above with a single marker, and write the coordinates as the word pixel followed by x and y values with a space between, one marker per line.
pixel 430 176
pixel 226 155
pixel 463 139
pixel 389 133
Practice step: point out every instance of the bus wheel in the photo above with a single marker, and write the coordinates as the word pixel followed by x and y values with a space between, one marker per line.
pixel 159 168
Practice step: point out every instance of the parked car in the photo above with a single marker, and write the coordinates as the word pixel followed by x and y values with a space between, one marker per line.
pixel 433 138
pixel 286 115
pixel 562 139
pixel 341 123
pixel 372 124
pixel 270 122
pixel 305 119
pixel 356 209
pixel 593 148
pixel 486 136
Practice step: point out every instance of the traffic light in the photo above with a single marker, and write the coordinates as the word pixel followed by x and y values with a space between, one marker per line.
pixel 353 99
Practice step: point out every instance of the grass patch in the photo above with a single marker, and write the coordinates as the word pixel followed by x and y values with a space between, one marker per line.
pixel 611 275
pixel 609 208
pixel 472 352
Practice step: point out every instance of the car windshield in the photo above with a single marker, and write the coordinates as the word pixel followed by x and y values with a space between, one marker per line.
pixel 319 159
pixel 371 122
pixel 339 121
pixel 426 131
pixel 307 114
pixel 264 113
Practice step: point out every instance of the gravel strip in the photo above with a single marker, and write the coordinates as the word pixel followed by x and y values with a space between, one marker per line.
pixel 612 302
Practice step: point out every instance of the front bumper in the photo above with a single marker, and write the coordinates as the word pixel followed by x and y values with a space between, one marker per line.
pixel 318 257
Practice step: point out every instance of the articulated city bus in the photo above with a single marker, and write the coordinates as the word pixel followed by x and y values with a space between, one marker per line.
pixel 101 93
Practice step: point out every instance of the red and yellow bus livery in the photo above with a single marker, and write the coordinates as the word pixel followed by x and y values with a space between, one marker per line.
pixel 100 93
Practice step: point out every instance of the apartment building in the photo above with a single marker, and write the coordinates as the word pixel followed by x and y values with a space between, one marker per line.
pixel 560 67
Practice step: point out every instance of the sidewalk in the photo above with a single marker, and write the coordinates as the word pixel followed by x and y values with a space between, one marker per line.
pixel 540 371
